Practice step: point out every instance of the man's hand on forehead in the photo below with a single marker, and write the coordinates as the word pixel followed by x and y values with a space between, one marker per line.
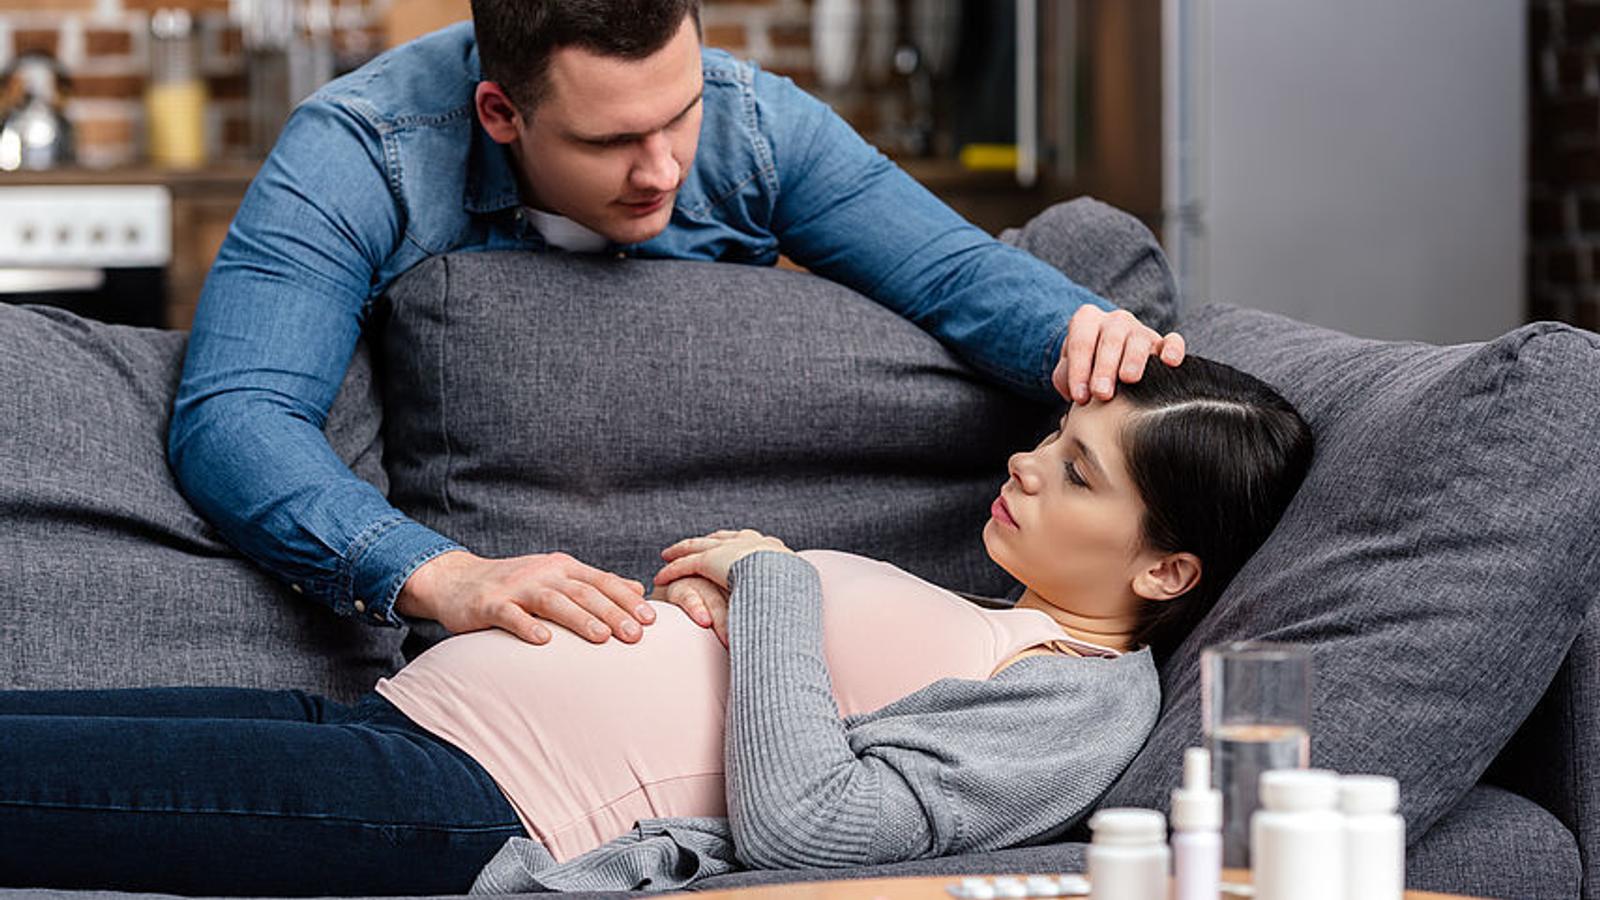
pixel 1104 347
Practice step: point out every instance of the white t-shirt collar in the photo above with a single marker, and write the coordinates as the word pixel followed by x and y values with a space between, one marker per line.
pixel 562 233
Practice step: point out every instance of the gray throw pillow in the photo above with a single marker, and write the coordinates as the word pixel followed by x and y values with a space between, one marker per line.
pixel 608 408
pixel 108 578
pixel 1438 559
pixel 1107 251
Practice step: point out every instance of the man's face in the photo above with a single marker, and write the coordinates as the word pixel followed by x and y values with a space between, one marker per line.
pixel 612 139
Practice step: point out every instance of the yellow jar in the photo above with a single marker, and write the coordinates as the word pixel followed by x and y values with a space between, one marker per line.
pixel 175 96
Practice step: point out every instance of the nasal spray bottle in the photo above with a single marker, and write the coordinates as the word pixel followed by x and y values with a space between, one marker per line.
pixel 1196 831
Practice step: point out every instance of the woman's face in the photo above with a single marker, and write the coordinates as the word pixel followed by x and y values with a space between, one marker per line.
pixel 1067 522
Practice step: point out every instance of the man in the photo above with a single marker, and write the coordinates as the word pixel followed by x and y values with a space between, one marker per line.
pixel 570 125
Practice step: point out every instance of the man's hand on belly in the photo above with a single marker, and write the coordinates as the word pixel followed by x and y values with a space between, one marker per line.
pixel 465 592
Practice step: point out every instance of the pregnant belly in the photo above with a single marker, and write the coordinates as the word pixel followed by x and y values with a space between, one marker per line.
pixel 584 739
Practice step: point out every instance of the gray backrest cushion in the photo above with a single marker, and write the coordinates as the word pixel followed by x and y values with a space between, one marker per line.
pixel 1438 559
pixel 1107 251
pixel 108 577
pixel 608 408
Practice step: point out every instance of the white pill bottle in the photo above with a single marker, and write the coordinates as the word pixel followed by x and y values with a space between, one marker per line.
pixel 1128 857
pixel 1297 836
pixel 1374 838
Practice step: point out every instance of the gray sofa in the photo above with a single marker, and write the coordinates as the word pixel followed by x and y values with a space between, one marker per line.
pixel 1441 560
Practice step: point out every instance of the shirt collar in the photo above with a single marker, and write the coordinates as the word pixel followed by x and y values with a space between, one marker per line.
pixel 491 180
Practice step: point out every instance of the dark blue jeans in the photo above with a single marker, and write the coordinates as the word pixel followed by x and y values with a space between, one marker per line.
pixel 234 791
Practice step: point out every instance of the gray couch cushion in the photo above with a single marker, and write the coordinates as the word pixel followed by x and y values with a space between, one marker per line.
pixel 108 577
pixel 1438 559
pixel 1107 251
pixel 1496 844
pixel 610 408
pixel 1047 859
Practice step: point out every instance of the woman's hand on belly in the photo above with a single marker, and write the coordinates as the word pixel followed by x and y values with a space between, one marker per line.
pixel 704 600
pixel 713 555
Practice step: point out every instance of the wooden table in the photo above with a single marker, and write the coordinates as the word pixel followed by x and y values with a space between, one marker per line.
pixel 922 888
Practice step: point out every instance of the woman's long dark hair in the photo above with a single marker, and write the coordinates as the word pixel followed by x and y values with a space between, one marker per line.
pixel 1216 455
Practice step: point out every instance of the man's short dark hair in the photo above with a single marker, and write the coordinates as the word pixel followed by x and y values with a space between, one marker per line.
pixel 516 37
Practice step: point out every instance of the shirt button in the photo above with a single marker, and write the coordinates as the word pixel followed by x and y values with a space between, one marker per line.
pixel 297 589
pixel 361 607
pixel 621 254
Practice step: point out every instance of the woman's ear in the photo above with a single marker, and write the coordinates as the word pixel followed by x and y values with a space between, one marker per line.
pixel 1169 577
pixel 498 114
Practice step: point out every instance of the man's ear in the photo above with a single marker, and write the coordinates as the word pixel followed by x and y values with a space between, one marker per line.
pixel 1169 577
pixel 498 114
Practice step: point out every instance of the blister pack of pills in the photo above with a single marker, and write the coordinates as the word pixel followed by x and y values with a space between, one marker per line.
pixel 1010 887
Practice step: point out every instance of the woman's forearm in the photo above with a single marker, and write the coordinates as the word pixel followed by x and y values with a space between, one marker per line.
pixel 798 795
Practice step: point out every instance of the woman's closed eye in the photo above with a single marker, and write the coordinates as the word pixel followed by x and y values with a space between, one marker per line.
pixel 1073 476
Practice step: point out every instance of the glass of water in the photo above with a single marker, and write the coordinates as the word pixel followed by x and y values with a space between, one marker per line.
pixel 1255 702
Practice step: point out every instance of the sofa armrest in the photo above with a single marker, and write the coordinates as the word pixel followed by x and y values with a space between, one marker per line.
pixel 1551 759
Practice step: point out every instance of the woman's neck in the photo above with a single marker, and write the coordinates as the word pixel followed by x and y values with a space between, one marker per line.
pixel 1116 633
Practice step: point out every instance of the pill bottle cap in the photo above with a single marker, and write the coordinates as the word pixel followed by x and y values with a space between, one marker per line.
pixel 1197 806
pixel 1128 827
pixel 1299 790
pixel 1368 794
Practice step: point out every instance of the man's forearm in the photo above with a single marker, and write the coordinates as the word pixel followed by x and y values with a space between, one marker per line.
pixel 274 488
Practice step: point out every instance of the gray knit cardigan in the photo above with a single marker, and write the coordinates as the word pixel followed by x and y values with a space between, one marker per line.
pixel 957 767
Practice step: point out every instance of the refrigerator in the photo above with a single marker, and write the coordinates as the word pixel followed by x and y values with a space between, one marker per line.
pixel 1357 165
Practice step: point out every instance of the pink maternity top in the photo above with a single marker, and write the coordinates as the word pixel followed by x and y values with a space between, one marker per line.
pixel 586 739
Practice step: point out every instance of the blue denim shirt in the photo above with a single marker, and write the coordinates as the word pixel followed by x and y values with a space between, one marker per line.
pixel 388 166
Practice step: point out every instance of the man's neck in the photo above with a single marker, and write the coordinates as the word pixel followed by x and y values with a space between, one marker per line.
pixel 525 191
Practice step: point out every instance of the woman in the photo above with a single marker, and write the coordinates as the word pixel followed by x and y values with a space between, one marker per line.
pixel 857 716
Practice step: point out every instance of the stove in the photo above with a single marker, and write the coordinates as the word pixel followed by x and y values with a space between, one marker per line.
pixel 98 250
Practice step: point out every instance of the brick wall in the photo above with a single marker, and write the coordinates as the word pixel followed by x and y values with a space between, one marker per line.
pixel 105 45
pixel 777 35
pixel 1564 162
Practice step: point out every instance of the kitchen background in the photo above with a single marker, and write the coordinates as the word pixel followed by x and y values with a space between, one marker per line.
pixel 1425 170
